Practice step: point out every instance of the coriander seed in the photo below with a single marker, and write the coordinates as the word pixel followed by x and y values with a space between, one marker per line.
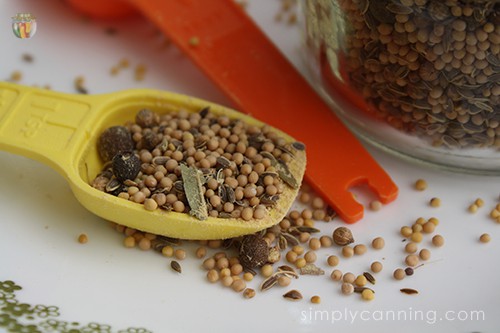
pixel 342 236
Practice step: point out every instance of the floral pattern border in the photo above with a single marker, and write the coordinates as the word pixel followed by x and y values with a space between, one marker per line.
pixel 19 317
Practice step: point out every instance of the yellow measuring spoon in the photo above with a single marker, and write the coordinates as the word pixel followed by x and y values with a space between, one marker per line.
pixel 61 130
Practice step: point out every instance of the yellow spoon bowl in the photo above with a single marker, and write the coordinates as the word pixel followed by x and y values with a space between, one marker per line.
pixel 61 130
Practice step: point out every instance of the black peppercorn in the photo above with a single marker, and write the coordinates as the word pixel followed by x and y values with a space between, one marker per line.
pixel 126 166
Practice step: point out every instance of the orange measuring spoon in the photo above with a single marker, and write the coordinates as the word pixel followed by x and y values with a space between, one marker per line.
pixel 238 57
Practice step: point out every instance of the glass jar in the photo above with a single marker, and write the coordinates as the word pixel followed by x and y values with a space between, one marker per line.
pixel 418 77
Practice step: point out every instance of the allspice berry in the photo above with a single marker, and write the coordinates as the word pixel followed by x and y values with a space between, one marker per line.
pixel 114 140
pixel 126 166
pixel 146 118
pixel 342 236
pixel 254 251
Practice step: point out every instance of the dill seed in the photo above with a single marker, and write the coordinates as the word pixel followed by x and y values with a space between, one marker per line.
pixel 176 266
pixel 293 295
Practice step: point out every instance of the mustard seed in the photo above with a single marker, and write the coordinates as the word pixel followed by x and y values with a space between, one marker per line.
pixel 300 262
pixel 201 252
pixel 406 231
pixel 378 243
pixel 225 272
pixel 180 254
pixel 227 281
pixel 144 244
pixel 213 276
pixel 412 260
pixel 347 251
pixel 336 275
pixel 314 244
pixel 291 257
pixel 472 208
pixel 333 261
pixel 129 241
pixel 347 288
pixel 421 185
pixel 310 256
pixel 434 220
pixel 479 202
pixel 298 249
pixel 416 237
pixel 438 240
pixel 266 270
pixel 485 238
pixel 208 263
pixel 326 241
pixel 83 239
pixel 367 295
pixel 284 281
pixel 238 285
pixel 424 254
pixel 360 280
pixel 359 249
pixel 435 202
pixel 375 205
pixel 376 267
pixel 399 274
pixel 428 227
pixel 348 277
pixel 247 276
pixel 315 299
pixel 411 247
pixel 416 228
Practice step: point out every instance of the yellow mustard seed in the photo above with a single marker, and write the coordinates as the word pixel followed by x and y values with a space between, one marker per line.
pixel 375 205
pixel 213 275
pixel 348 277
pixel 315 299
pixel 438 240
pixel 435 202
pixel 266 270
pixel 378 243
pixel 420 220
pixel 399 274
pixel 424 254
pixel 416 237
pixel 416 227
pixel 333 261
pixel 485 238
pixel 411 247
pixel 434 220
pixel 336 275
pixel 406 231
pixel 284 281
pixel 83 239
pixel 479 202
pixel 300 262
pixel 412 260
pixel 367 295
pixel 247 276
pixel 428 227
pixel 360 280
pixel 249 293
pixel 359 249
pixel 421 185
pixel 376 266
pixel 472 208
pixel 129 241
pixel 347 251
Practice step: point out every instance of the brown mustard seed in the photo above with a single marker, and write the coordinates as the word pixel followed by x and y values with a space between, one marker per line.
pixel 83 239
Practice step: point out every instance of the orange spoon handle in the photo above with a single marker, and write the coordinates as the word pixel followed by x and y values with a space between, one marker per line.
pixel 229 47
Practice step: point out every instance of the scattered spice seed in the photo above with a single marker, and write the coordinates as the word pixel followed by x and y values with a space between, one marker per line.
pixel 249 293
pixel 435 202
pixel 347 251
pixel 347 288
pixel 16 76
pixel 213 275
pixel 360 281
pixel 485 238
pixel 129 241
pixel 176 266
pixel 375 205
pixel 479 202
pixel 79 85
pixel 421 185
pixel 406 231
pixel 411 247
pixel 238 285
pixel 315 299
pixel 472 208
pixel 333 261
pixel 409 271
pixel 416 237
pixel 336 275
pixel 412 260
pixel 399 274
pixel 83 239
pixel 342 236
pixel 349 277
pixel 367 294
pixel 293 295
pixel 27 57
pixel 376 266
pixel 408 291
pixel 438 240
pixel 378 243
pixel 424 254
pixel 369 277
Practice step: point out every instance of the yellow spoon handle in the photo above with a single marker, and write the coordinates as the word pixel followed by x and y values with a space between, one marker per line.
pixel 42 124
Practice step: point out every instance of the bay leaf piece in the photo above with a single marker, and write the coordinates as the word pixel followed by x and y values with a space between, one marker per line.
pixel 282 170
pixel 194 193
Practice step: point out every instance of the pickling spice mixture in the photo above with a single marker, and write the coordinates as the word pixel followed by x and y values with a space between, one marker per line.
pixel 196 163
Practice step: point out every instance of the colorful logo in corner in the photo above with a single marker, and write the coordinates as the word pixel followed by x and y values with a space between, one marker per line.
pixel 24 25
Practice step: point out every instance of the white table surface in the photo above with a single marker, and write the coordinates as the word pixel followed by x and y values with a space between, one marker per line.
pixel 103 282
